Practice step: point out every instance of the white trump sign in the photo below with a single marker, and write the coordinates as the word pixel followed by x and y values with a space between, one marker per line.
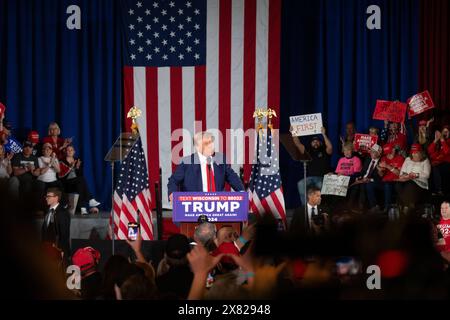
pixel 306 125
pixel 336 185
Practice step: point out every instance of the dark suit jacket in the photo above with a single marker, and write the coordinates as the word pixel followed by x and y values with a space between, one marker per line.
pixel 298 223
pixel 58 232
pixel 374 174
pixel 188 175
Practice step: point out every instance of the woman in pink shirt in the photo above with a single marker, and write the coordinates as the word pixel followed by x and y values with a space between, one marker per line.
pixel 348 165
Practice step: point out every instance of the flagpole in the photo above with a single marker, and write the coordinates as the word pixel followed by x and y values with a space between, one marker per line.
pixel 111 224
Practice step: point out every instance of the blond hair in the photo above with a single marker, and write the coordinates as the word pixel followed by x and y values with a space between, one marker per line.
pixel 199 136
pixel 54 125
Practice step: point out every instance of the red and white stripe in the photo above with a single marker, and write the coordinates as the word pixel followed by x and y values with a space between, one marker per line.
pixel 242 72
pixel 273 204
pixel 125 211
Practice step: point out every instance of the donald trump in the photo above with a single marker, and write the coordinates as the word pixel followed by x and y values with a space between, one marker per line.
pixel 204 170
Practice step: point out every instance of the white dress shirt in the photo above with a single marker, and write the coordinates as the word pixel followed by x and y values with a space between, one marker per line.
pixel 50 215
pixel 310 214
pixel 374 162
pixel 203 164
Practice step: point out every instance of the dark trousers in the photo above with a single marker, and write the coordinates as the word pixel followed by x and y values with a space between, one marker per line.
pixel 356 196
pixel 78 185
pixel 409 193
pixel 378 187
pixel 440 173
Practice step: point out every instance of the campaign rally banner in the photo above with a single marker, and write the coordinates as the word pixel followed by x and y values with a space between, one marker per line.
pixel 217 206
pixel 419 103
pixel 390 110
pixel 12 146
pixel 307 124
pixel 336 185
pixel 363 142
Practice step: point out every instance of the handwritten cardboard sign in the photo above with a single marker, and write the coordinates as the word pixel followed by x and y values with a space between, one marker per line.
pixel 336 185
pixel 306 124
pixel 390 110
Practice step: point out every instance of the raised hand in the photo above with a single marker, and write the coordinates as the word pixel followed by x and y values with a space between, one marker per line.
pixel 201 261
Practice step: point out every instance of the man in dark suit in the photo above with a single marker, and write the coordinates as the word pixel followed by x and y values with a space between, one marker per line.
pixel 314 220
pixel 203 170
pixel 367 183
pixel 56 226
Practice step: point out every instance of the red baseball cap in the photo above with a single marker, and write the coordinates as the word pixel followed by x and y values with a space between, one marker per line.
pixel 416 148
pixel 33 136
pixel 226 248
pixel 2 108
pixel 387 148
pixel 87 259
pixel 422 123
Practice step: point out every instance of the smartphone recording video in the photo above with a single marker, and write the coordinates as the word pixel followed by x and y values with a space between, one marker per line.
pixel 133 229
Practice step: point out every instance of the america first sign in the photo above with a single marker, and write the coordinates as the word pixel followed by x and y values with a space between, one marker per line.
pixel 307 124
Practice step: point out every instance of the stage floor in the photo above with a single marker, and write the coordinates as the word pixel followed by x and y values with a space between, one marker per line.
pixel 95 226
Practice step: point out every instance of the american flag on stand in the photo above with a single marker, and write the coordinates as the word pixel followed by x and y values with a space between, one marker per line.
pixel 132 195
pixel 211 61
pixel 265 190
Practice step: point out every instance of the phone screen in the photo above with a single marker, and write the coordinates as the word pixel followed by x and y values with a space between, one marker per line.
pixel 348 266
pixel 132 231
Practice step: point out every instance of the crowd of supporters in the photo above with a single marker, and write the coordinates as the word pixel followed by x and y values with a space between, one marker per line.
pixel 325 251
pixel 29 169
pixel 391 173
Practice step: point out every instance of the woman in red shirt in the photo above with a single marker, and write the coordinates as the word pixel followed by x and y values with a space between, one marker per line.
pixel 58 144
pixel 439 152
pixel 389 168
pixel 391 134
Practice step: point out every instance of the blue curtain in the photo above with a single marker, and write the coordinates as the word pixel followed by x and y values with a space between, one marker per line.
pixel 50 73
pixel 331 63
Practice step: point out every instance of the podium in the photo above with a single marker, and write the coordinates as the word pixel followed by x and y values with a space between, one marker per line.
pixel 221 208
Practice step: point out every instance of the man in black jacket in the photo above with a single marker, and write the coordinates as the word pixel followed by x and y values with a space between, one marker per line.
pixel 56 226
pixel 368 183
pixel 314 220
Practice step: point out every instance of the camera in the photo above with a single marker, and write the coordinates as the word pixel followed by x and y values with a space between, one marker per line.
pixel 202 219
pixel 318 219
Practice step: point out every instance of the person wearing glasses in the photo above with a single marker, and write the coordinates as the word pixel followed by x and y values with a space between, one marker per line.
pixel 56 225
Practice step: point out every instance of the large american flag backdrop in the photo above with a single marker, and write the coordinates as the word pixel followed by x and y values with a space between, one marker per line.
pixel 212 61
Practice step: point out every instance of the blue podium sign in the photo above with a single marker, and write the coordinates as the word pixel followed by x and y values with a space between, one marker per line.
pixel 217 206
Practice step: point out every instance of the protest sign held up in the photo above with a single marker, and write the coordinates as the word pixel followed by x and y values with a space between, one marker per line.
pixel 390 110
pixel 363 142
pixel 419 103
pixel 334 184
pixel 307 124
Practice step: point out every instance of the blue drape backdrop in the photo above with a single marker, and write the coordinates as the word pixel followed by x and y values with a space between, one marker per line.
pixel 50 73
pixel 331 63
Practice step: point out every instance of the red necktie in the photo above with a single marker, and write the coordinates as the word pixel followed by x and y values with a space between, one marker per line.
pixel 210 178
